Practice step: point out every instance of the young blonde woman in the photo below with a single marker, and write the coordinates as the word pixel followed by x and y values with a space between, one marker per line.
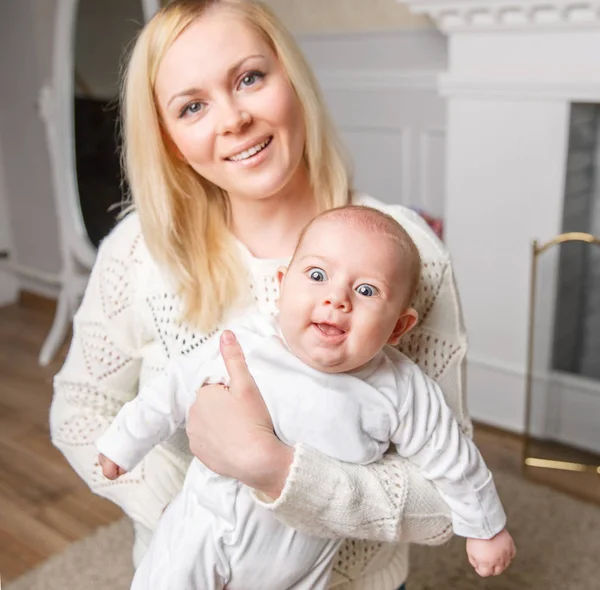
pixel 229 152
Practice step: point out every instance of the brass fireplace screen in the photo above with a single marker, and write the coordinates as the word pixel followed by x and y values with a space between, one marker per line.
pixel 537 250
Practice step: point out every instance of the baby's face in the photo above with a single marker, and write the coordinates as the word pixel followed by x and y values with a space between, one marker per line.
pixel 342 296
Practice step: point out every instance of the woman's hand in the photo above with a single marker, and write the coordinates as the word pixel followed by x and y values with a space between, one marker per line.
pixel 231 431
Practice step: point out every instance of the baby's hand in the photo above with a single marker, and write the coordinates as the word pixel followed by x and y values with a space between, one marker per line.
pixel 491 557
pixel 110 469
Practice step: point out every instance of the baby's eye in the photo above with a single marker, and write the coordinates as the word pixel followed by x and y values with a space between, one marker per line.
pixel 317 274
pixel 366 290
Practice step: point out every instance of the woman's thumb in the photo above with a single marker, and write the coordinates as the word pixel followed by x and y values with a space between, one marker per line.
pixel 234 360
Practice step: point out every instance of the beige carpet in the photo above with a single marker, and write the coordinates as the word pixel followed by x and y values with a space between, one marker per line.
pixel 558 541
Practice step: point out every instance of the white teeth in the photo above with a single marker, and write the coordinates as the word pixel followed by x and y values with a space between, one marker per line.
pixel 248 153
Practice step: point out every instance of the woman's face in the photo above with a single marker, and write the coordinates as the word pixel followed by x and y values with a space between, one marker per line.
pixel 229 108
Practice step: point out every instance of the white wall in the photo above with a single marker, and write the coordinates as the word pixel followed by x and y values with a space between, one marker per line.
pixel 497 203
pixel 381 90
pixel 510 89
pixel 8 283
pixel 22 135
pixel 5 235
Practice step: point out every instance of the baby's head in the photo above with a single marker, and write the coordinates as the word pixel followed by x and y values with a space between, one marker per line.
pixel 348 288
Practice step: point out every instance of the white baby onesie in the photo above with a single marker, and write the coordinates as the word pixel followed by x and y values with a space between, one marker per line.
pixel 213 534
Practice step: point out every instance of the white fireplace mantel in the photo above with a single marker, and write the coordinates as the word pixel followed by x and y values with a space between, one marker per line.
pixel 515 67
pixel 485 15
pixel 525 49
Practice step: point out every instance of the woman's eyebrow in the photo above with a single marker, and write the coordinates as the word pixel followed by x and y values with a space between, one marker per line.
pixel 196 90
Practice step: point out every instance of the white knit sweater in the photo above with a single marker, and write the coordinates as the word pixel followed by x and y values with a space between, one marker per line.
pixel 127 328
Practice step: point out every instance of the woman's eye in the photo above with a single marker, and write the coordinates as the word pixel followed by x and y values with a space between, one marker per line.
pixel 366 290
pixel 192 108
pixel 317 275
pixel 251 78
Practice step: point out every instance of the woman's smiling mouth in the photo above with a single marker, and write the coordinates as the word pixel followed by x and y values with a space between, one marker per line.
pixel 250 152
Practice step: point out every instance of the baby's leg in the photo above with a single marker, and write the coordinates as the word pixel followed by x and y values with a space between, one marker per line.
pixel 182 554
pixel 318 577
pixel 269 555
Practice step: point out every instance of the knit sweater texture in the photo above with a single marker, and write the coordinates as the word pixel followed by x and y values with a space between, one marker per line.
pixel 128 326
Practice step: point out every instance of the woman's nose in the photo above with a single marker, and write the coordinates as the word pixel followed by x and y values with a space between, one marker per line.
pixel 232 118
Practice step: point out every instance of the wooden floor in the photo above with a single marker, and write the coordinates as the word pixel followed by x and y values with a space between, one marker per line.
pixel 44 506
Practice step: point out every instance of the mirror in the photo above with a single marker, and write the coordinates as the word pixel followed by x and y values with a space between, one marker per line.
pixel 103 32
pixel 79 108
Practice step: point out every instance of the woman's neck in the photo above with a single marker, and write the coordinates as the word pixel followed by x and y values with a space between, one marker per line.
pixel 270 227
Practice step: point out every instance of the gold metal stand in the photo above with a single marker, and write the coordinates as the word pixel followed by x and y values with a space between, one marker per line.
pixel 537 250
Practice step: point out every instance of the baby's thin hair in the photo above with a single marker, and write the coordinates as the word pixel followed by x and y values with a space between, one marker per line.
pixel 379 223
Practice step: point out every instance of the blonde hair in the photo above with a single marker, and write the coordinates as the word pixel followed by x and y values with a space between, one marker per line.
pixel 184 217
pixel 379 223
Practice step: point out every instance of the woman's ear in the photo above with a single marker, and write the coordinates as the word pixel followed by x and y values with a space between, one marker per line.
pixel 406 322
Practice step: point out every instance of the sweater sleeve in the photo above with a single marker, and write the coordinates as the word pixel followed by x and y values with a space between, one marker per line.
pixel 389 500
pixel 101 373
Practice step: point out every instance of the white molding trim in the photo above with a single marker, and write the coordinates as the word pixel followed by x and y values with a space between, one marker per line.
pixel 9 288
pixel 394 128
pixel 455 86
pixel 585 384
pixel 348 90
pixel 342 79
pixel 405 158
pixel 45 290
pixel 369 35
pixel 406 166
pixel 31 273
pixel 425 138
pixel 485 15
pixel 569 414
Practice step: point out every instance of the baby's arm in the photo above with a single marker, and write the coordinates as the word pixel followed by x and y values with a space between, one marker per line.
pixel 154 415
pixel 110 469
pixel 429 435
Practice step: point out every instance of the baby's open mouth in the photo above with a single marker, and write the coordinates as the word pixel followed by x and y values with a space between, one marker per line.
pixel 329 329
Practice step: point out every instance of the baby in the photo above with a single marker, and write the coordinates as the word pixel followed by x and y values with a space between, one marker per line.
pixel 329 381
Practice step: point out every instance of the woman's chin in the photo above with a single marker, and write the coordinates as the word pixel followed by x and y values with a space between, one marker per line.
pixel 258 190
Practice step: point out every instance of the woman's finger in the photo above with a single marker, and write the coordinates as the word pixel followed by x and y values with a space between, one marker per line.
pixel 235 362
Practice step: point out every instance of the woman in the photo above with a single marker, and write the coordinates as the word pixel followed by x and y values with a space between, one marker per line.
pixel 229 152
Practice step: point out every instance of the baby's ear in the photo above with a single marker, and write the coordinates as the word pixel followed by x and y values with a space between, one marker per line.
pixel 406 322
